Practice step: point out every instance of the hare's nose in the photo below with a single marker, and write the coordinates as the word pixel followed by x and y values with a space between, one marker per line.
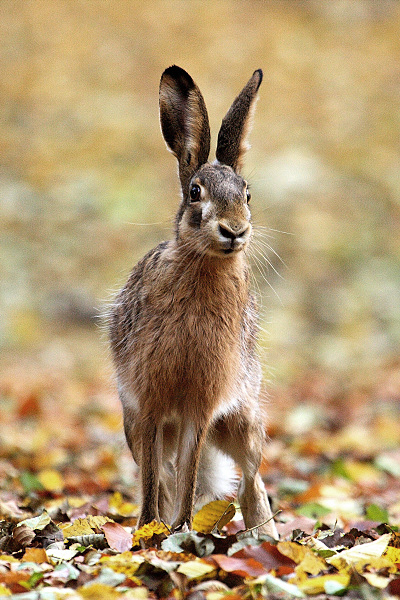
pixel 231 232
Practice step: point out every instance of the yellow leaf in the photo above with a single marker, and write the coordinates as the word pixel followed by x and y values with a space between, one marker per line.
pixel 126 563
pixel 137 593
pixel 308 563
pixel 51 480
pixel 98 590
pixel 195 568
pixel 364 473
pixel 8 558
pixel 217 513
pixel 312 564
pixel 4 591
pixel 293 550
pixel 147 531
pixel 393 554
pixel 316 585
pixel 120 507
pixel 84 526
pixel 364 553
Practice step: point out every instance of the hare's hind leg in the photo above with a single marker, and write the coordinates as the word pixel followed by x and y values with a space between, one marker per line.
pixel 241 435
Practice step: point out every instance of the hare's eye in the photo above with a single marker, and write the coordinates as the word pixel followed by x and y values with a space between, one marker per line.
pixel 195 192
pixel 248 195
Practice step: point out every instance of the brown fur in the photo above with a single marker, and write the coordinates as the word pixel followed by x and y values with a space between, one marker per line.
pixel 183 328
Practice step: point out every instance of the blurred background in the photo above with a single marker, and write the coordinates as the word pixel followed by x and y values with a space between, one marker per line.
pixel 87 185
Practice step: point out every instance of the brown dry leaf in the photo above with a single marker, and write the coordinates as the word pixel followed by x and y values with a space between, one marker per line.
pixel 23 535
pixel 217 513
pixel 117 537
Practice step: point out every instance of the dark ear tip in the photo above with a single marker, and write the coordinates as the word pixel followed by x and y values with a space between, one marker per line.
pixel 174 71
pixel 258 73
pixel 179 77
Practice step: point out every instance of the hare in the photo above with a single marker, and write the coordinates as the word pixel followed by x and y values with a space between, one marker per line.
pixel 183 329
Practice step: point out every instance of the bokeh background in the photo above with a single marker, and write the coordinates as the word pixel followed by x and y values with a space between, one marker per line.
pixel 87 185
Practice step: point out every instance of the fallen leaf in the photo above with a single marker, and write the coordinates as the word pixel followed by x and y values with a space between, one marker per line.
pixel 194 569
pixel 94 591
pixel 268 556
pixel 37 523
pixel 363 553
pixel 51 480
pixel 373 512
pixel 244 567
pixel 36 555
pixel 276 586
pixel 214 514
pixel 119 506
pixel 23 535
pixel 317 585
pixel 117 537
pixel 4 591
pixel 148 531
pixel 84 526
pixel 126 563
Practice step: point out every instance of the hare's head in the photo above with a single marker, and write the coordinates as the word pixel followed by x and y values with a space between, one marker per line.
pixel 214 216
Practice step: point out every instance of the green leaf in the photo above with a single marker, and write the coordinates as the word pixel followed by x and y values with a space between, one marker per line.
pixel 313 510
pixel 376 513
pixel 339 468
pixel 32 581
pixel 30 482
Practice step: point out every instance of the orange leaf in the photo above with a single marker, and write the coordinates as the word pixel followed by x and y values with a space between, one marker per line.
pixel 244 567
pixel 36 555
pixel 12 579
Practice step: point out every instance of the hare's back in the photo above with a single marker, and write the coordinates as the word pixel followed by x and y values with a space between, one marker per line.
pixel 127 309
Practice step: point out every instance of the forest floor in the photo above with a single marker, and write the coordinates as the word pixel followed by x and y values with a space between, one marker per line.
pixel 68 502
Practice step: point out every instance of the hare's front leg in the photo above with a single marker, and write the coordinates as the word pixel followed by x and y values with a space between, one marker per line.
pixel 145 441
pixel 241 435
pixel 191 439
pixel 151 455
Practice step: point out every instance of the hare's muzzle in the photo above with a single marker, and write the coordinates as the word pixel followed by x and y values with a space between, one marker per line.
pixel 233 237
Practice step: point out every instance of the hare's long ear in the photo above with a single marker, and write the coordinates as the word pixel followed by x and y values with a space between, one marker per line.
pixel 232 138
pixel 184 121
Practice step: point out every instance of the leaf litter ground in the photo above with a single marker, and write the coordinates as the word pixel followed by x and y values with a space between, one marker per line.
pixel 68 501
